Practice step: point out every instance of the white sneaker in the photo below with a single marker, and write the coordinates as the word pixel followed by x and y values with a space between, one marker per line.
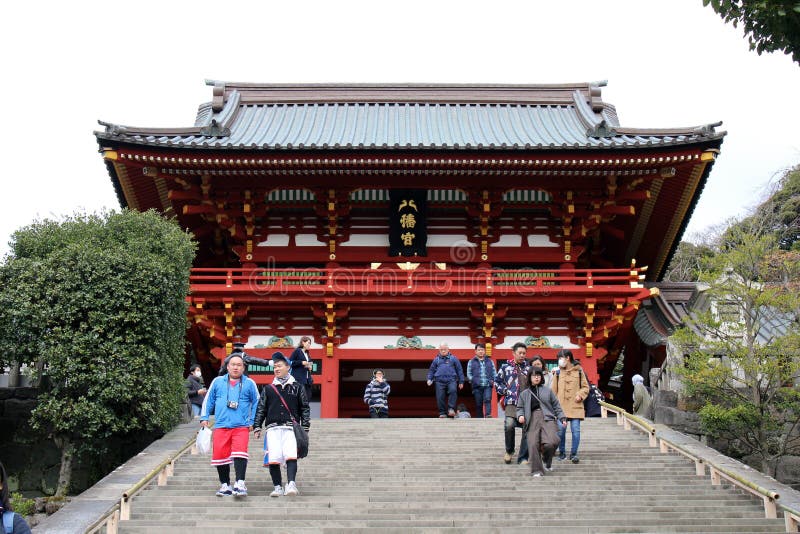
pixel 291 489
pixel 239 489
pixel 277 492
pixel 224 491
pixel 537 475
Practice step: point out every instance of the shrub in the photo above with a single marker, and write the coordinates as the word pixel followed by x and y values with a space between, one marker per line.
pixel 22 505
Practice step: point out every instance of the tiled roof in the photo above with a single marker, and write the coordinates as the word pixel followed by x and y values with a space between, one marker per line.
pixel 279 117
pixel 774 324
pixel 662 314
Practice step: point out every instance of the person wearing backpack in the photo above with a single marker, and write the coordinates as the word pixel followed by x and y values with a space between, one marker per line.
pixel 591 404
pixel 13 523
pixel 571 388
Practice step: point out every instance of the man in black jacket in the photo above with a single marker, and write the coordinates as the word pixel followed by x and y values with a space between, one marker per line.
pixel 238 349
pixel 283 400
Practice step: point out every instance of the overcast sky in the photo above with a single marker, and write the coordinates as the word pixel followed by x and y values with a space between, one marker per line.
pixel 668 63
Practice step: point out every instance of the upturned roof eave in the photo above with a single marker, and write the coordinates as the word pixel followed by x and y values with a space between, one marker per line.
pixel 713 141
pixel 217 118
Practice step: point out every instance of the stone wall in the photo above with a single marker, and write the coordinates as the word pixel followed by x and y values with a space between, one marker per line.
pixel 788 471
pixel 32 462
pixel 668 413
pixel 32 459
pixel 672 410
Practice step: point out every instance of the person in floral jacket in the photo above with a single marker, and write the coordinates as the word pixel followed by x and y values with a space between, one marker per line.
pixel 512 379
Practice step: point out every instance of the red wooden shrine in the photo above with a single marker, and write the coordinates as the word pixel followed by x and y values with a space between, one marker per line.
pixel 538 218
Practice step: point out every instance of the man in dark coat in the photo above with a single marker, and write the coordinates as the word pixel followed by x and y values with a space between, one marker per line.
pixel 238 350
pixel 447 374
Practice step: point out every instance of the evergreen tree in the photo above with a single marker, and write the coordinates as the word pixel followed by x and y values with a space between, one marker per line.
pixel 100 300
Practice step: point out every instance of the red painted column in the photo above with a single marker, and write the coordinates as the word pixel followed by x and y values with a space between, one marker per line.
pixel 329 393
pixel 588 363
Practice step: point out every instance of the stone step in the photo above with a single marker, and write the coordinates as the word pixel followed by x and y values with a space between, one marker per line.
pixel 547 483
pixel 566 475
pixel 662 501
pixel 289 524
pixel 487 519
pixel 372 508
pixel 133 529
pixel 446 483
pixel 396 476
pixel 525 482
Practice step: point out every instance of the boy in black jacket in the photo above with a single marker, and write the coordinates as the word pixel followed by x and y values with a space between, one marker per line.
pixel 280 444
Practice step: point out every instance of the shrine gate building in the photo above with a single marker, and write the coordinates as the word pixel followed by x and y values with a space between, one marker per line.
pixel 381 220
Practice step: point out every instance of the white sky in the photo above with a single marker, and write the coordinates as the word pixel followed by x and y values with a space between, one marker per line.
pixel 668 63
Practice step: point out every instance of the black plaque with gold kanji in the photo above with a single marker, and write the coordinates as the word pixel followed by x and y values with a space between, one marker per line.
pixel 408 222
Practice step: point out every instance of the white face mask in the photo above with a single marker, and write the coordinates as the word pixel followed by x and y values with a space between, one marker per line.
pixel 562 362
pixel 198 374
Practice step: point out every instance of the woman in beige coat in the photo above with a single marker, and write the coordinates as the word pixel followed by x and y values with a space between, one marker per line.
pixel 571 387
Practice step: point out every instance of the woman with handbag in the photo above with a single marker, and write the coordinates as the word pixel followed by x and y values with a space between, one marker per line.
pixel 284 409
pixel 540 413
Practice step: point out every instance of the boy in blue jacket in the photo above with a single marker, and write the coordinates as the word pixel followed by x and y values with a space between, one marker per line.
pixel 233 399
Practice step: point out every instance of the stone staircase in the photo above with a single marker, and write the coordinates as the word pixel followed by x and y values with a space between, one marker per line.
pixel 434 475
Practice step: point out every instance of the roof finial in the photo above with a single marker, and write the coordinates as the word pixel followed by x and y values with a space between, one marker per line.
pixel 215 130
pixel 602 129
pixel 218 101
pixel 708 129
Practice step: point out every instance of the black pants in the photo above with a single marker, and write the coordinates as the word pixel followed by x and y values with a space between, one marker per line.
pixel 509 427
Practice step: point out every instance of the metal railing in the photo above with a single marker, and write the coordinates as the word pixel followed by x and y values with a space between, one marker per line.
pixel 770 498
pixel 121 511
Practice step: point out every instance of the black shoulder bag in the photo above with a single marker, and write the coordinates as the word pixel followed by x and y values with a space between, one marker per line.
pixel 300 434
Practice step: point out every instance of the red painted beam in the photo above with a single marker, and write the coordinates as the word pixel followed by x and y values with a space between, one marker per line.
pixel 365 255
